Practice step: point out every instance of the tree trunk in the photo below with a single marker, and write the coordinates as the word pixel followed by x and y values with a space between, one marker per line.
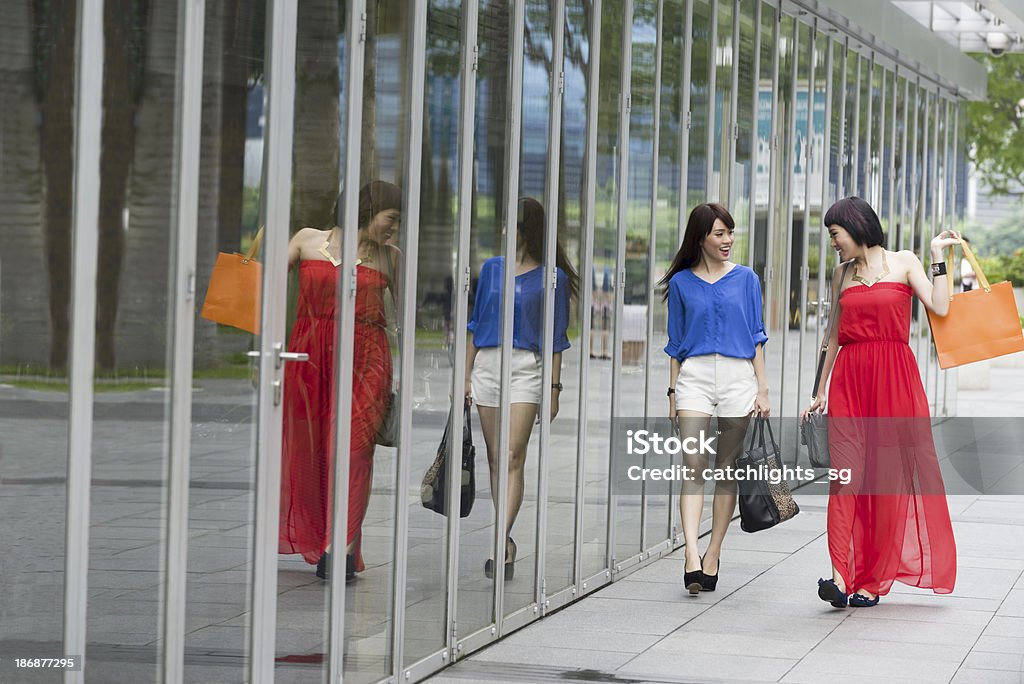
pixel 24 315
pixel 316 154
pixel 57 44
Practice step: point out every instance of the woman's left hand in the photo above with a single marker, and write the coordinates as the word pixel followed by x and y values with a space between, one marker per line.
pixel 762 407
pixel 554 403
pixel 946 238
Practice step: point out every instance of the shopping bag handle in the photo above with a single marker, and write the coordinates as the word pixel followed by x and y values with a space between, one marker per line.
pixel 254 247
pixel 972 259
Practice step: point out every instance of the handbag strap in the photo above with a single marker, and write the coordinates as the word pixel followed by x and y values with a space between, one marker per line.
pixel 757 434
pixel 254 247
pixel 972 260
pixel 828 332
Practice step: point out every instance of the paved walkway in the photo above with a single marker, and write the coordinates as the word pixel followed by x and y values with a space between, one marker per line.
pixel 766 623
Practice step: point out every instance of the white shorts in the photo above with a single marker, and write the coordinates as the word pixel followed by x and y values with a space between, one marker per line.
pixel 526 377
pixel 712 380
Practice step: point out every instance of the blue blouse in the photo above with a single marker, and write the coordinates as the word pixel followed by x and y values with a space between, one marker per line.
pixel 528 317
pixel 723 317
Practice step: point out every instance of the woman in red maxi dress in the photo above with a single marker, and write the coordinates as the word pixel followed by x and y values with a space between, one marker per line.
pixel 891 521
pixel 307 463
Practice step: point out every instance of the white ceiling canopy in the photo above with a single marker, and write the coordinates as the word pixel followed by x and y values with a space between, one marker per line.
pixel 995 26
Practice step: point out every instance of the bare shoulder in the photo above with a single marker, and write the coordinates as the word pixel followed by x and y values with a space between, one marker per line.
pixel 907 257
pixel 307 240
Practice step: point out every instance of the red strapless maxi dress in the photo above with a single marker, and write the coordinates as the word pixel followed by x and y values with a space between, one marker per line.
pixel 892 522
pixel 307 462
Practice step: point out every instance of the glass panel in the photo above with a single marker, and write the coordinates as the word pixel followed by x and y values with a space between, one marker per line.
pixel 852 120
pixel 562 448
pixel 874 163
pixel 433 367
pixel 132 344
pixel 476 542
pixel 639 196
pixel 672 128
pixel 818 247
pixel 35 279
pixel 720 149
pixel 697 190
pixel 599 409
pixel 740 200
pixel 224 400
pixel 763 147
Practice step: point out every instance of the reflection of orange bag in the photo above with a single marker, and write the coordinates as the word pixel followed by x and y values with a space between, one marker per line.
pixel 981 324
pixel 233 297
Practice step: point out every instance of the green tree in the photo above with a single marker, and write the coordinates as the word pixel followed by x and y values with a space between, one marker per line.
pixel 995 127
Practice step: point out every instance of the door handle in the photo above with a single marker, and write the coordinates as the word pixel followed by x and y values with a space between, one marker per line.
pixel 280 355
pixel 293 356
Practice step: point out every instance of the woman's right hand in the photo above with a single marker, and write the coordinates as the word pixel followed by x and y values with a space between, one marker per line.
pixel 817 405
pixel 469 388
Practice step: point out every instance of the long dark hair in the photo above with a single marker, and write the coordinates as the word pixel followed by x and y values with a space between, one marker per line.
pixel 530 224
pixel 698 226
pixel 374 197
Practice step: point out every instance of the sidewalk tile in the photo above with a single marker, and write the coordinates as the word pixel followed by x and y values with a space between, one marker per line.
pixel 871 665
pixel 1012 662
pixel 706 667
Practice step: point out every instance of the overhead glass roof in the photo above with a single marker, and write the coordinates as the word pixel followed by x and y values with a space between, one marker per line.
pixel 994 27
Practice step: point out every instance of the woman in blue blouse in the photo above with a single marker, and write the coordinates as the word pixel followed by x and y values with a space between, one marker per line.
pixel 715 340
pixel 483 356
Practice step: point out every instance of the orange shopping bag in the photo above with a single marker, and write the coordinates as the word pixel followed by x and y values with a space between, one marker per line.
pixel 233 297
pixel 981 324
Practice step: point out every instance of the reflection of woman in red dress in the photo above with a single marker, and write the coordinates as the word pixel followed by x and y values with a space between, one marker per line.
pixel 307 464
pixel 891 522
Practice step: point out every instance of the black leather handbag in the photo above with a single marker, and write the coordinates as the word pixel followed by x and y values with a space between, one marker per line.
pixel 433 490
pixel 762 503
pixel 814 428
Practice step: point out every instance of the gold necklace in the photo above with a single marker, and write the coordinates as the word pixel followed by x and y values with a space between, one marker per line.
pixel 325 250
pixel 869 283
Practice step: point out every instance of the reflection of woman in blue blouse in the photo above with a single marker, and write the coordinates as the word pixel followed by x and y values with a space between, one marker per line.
pixel 483 357
pixel 716 343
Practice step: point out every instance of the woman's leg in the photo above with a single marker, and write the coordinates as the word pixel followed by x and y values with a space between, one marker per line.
pixel 521 426
pixel 691 501
pixel 730 442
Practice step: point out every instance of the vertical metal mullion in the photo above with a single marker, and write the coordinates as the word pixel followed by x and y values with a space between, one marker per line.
pixel 407 350
pixel 953 220
pixel 925 161
pixel 85 251
pixel 805 238
pixel 912 199
pixel 890 168
pixel 277 164
pixel 191 23
pixel 855 133
pixel 652 242
pixel 557 77
pixel 514 137
pixel 586 266
pixel 881 140
pixel 709 133
pixel 756 80
pixel 461 284
pixel 826 166
pixel 790 137
pixel 841 165
pixel 622 188
pixel 869 186
pixel 933 191
pixel 686 122
pixel 774 150
pixel 904 162
pixel 734 103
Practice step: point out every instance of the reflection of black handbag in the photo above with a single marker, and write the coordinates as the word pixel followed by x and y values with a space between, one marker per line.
pixel 814 428
pixel 433 491
pixel 762 503
pixel 387 433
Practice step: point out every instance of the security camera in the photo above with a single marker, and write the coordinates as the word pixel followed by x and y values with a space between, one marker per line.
pixel 998 43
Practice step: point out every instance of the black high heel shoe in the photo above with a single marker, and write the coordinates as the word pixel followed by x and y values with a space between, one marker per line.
pixel 708 582
pixel 323 566
pixel 510 562
pixel 694 580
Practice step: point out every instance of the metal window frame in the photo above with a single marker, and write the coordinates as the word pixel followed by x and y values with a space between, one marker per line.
pixel 407 347
pixel 513 133
pixel 552 180
pixel 890 169
pixel 622 188
pixel 844 55
pixel 276 198
pixel 869 186
pixel 904 169
pixel 88 113
pixel 756 80
pixel 586 266
pixel 709 132
pixel 686 122
pixel 805 238
pixel 773 178
pixel 787 208
pixel 188 115
pixel 824 278
pixel 729 186
pixel 467 120
pixel 855 137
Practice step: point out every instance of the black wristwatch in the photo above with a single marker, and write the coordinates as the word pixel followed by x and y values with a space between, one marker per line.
pixel 939 268
pixel 671 391
pixel 557 386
